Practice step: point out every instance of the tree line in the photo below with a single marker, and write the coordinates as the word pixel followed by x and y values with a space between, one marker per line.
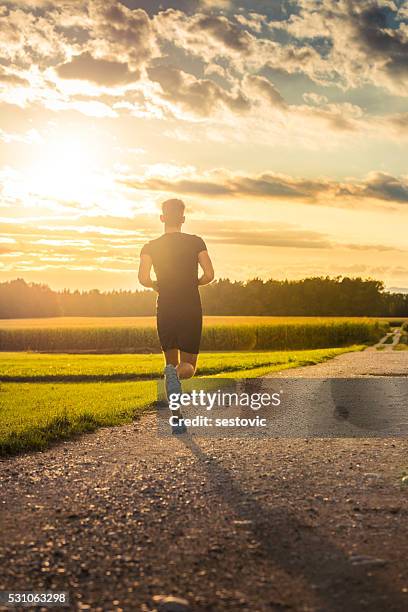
pixel 319 296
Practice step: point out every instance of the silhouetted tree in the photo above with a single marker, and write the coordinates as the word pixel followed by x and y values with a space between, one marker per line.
pixel 318 296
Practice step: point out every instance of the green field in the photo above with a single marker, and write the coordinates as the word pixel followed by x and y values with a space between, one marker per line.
pixel 33 414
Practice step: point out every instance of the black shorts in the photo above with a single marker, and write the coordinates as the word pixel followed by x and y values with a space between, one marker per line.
pixel 179 325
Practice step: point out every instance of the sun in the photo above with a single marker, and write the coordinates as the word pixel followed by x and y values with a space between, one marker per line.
pixel 65 169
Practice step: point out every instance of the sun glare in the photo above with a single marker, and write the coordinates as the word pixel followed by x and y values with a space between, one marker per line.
pixel 65 169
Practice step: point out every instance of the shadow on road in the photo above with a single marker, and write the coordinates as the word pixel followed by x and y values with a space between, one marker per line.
pixel 299 549
pixel 371 407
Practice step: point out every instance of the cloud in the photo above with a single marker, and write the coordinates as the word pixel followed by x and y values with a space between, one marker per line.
pixel 200 96
pixel 291 238
pixel 317 33
pixel 380 186
pixel 126 34
pixel 314 98
pixel 210 37
pixel 207 64
pixel 216 4
pixel 386 45
pixel 46 45
pixel 372 31
pixel 100 71
pixel 221 183
pixel 9 78
pixel 271 186
pixel 30 137
pixel 260 85
pixel 252 21
pixel 223 31
pixel 297 239
pixel 115 242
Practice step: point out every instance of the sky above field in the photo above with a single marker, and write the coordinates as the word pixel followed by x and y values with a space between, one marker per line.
pixel 282 125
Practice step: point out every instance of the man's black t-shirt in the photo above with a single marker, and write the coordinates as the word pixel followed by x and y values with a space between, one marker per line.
pixel 175 262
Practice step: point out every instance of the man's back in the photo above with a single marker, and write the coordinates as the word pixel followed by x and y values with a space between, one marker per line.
pixel 175 262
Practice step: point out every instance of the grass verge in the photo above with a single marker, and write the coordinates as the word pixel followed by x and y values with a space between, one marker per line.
pixel 38 367
pixel 35 414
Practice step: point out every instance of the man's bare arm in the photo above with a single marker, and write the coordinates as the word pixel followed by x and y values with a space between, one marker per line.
pixel 145 268
pixel 206 265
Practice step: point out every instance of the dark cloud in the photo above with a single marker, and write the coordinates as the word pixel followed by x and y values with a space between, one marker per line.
pixel 200 96
pixel 264 186
pixel 374 33
pixel 225 32
pixel 100 71
pixel 364 42
pixel 154 6
pixel 377 186
pixel 387 187
pixel 125 33
pixel 182 186
pixel 274 186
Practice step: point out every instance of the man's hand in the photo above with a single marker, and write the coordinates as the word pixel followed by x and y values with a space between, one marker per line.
pixel 207 267
pixel 145 267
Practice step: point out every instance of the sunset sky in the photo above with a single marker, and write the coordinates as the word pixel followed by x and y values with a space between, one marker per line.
pixel 282 125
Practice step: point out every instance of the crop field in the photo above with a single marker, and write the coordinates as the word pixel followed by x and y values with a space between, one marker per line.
pixel 255 334
pixel 91 322
pixel 45 398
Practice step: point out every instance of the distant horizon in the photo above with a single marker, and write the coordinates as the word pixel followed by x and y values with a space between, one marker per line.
pixel 401 290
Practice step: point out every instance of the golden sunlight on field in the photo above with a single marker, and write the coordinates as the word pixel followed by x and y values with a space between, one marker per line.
pixel 151 321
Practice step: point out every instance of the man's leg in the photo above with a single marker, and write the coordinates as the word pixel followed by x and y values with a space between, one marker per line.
pixel 173 386
pixel 171 377
pixel 187 366
pixel 172 357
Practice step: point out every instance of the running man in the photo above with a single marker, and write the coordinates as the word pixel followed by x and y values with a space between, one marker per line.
pixel 175 257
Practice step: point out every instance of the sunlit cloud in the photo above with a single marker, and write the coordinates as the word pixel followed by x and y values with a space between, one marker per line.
pixel 271 186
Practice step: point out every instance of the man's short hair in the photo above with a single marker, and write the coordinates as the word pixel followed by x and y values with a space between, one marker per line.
pixel 173 211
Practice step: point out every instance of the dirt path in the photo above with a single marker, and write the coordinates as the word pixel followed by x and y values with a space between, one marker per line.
pixel 120 517
pixel 371 362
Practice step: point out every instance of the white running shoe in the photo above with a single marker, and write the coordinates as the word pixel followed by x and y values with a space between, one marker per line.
pixel 173 387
